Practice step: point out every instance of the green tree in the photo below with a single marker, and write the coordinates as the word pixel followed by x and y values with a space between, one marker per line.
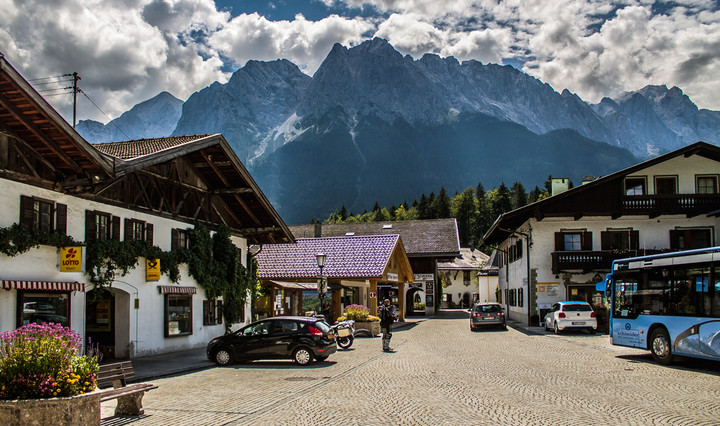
pixel 518 196
pixel 441 204
pixel 463 208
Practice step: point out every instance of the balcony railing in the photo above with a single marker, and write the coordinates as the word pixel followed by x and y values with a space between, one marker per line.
pixel 588 261
pixel 689 204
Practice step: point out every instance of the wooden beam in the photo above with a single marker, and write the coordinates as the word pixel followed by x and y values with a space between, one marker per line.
pixel 233 191
pixel 20 116
pixel 34 153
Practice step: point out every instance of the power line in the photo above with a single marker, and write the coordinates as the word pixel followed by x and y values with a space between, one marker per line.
pixel 48 78
pixel 103 113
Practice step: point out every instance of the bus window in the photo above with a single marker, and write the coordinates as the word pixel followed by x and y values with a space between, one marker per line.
pixel 690 288
pixel 715 292
pixel 626 301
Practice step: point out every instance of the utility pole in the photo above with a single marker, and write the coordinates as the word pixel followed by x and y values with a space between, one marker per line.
pixel 76 78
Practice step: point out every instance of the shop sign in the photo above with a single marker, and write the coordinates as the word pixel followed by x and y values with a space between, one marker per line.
pixel 70 259
pixel 423 277
pixel 373 295
pixel 392 277
pixel 152 270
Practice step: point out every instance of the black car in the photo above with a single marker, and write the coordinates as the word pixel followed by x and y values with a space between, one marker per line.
pixel 302 339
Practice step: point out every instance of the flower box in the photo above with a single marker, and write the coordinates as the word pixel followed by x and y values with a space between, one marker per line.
pixel 74 410
pixel 372 327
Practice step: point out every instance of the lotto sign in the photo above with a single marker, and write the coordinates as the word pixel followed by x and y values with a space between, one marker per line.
pixel 70 259
pixel 152 271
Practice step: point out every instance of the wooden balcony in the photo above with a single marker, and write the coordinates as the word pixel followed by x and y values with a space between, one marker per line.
pixel 592 261
pixel 656 205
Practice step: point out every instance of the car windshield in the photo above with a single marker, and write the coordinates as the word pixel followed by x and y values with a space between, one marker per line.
pixel 488 309
pixel 577 308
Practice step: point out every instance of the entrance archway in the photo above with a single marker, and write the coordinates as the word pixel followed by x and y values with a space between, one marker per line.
pixel 107 321
pixel 412 297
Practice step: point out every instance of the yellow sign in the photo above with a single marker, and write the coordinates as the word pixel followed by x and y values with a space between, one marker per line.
pixel 70 259
pixel 152 270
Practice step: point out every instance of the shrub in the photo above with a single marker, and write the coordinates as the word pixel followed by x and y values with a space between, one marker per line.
pixel 358 313
pixel 41 361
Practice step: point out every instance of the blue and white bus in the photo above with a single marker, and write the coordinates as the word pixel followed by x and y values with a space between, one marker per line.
pixel 667 303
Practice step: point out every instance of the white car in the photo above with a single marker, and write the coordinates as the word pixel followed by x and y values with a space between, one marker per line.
pixel 571 315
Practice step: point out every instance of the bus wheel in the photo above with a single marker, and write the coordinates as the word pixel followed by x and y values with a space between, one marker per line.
pixel 660 346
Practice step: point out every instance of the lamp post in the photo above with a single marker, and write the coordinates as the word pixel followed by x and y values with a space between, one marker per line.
pixel 322 284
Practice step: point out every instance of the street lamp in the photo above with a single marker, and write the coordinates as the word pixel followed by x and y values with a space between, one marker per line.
pixel 322 284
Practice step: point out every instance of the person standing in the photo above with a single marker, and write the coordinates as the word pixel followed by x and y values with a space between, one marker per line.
pixel 387 316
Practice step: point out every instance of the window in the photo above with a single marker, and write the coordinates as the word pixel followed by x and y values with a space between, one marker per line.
pixel 466 278
pixel 666 185
pixel 212 312
pixel 138 230
pixel 520 297
pixel 619 240
pixel 37 307
pixel 178 315
pixel 687 239
pixel 707 184
pixel 43 215
pixel 635 186
pixel 573 241
pixel 515 251
pixel 101 226
pixel 179 239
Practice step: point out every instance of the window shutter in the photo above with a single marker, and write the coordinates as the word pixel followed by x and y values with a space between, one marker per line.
pixel 587 241
pixel 559 242
pixel 128 229
pixel 116 228
pixel 219 312
pixel 26 211
pixel 174 239
pixel 149 233
pixel 519 249
pixel 674 239
pixel 90 228
pixel 61 218
pixel 634 240
pixel 206 312
pixel 605 240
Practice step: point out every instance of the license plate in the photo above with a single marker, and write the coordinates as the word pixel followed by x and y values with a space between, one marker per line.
pixel 343 332
pixel 578 323
pixel 488 318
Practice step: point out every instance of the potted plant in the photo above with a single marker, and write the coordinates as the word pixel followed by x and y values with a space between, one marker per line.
pixel 363 320
pixel 44 380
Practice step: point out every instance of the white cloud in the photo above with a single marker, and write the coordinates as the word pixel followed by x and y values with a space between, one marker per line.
pixel 304 42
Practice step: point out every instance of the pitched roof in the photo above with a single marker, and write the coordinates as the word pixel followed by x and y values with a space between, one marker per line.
pixel 584 199
pixel 469 259
pixel 127 150
pixel 434 237
pixel 347 257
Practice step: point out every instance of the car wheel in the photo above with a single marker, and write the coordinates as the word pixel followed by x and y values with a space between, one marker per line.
pixel 557 329
pixel 660 346
pixel 303 356
pixel 223 357
pixel 472 328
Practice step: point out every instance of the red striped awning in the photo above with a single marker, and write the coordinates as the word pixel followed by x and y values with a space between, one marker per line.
pixel 43 285
pixel 176 289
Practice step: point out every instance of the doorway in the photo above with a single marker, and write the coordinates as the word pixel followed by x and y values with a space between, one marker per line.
pixel 100 321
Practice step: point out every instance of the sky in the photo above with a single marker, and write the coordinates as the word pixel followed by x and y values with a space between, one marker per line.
pixel 127 51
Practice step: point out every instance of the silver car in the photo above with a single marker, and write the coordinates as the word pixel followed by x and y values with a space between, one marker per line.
pixel 487 315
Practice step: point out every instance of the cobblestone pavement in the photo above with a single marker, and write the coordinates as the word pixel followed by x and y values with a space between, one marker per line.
pixel 444 374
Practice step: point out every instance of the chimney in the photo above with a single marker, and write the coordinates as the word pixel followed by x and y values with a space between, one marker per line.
pixel 560 185
pixel 318 229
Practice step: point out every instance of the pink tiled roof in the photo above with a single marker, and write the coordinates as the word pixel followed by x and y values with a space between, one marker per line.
pixel 347 257
pixel 127 150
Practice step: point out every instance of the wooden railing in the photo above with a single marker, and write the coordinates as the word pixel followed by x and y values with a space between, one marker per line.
pixel 690 204
pixel 587 261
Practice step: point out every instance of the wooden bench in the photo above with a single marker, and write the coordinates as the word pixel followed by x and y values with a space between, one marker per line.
pixel 129 396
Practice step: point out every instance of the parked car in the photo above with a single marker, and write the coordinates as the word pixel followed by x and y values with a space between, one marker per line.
pixel 571 315
pixel 487 315
pixel 302 339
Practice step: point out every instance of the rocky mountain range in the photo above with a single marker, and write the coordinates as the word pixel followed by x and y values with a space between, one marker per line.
pixel 374 125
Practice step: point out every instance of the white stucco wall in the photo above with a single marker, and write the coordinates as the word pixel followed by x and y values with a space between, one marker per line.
pixel 144 327
pixel 456 286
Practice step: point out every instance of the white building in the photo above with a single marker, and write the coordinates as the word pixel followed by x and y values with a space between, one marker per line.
pixel 559 248
pixel 153 190
pixel 460 279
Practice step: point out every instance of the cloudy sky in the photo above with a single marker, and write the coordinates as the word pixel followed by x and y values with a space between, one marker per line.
pixel 127 51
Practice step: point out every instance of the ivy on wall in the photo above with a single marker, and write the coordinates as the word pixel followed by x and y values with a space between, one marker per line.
pixel 214 261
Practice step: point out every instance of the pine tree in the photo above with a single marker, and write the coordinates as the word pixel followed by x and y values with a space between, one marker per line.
pixel 463 209
pixel 442 204
pixel 518 195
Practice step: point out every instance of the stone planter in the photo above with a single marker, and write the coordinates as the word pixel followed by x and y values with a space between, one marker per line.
pixel 372 327
pixel 75 410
